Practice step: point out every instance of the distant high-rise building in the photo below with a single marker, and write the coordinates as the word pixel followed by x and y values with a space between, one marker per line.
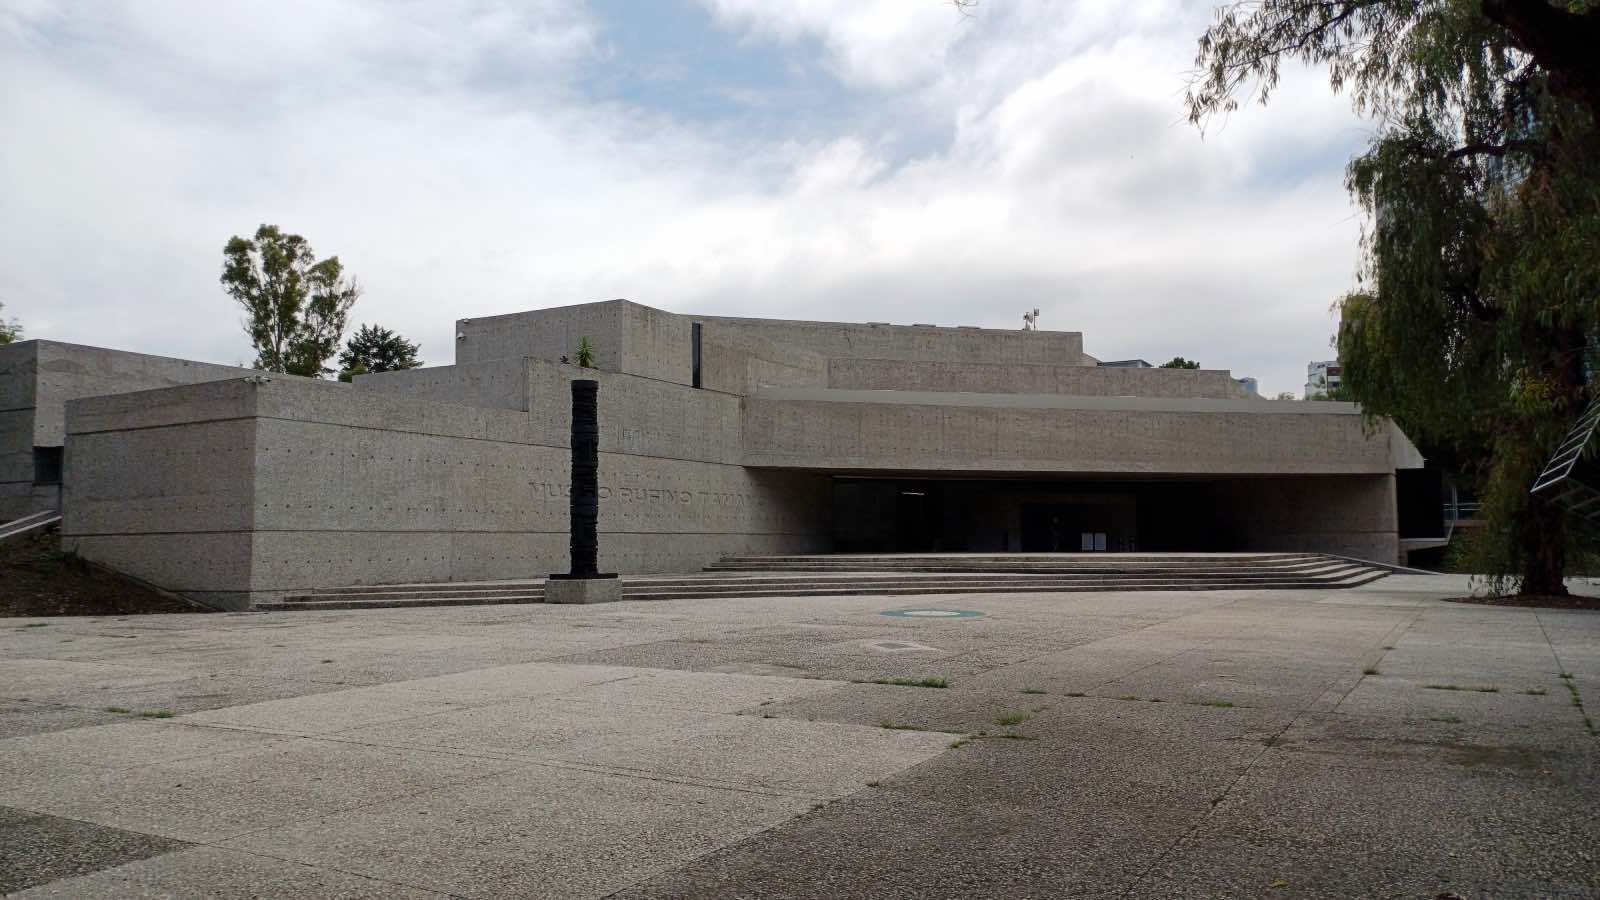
pixel 1323 378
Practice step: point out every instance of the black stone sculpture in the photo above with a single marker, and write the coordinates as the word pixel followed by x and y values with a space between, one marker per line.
pixel 585 494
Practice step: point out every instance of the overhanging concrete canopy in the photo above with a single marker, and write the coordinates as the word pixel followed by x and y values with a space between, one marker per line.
pixel 846 430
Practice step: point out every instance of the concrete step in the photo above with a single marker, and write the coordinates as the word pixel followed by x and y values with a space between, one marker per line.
pixel 721 580
pixel 1008 563
pixel 397 601
pixel 881 591
pixel 1014 557
pixel 1033 573
pixel 687 592
pixel 976 582
pixel 460 587
pixel 915 575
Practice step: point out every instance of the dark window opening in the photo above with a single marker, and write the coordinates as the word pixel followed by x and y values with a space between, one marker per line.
pixel 47 465
pixel 694 352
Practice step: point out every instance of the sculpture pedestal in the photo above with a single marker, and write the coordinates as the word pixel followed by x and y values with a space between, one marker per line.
pixel 597 589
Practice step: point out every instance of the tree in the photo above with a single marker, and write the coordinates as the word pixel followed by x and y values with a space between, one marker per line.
pixel 1471 320
pixel 1178 362
pixel 1287 395
pixel 374 348
pixel 295 304
pixel 9 331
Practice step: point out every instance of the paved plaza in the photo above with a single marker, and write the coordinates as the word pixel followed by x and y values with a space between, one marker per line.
pixel 1366 742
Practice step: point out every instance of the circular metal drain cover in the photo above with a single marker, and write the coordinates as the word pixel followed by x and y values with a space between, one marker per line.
pixel 932 613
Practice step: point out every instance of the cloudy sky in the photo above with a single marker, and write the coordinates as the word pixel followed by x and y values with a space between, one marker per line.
pixel 863 160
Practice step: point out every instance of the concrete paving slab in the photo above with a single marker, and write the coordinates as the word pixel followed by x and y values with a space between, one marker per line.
pixel 64 757
pixel 21 718
pixel 326 713
pixel 224 874
pixel 1362 832
pixel 85 684
pixel 696 691
pixel 812 759
pixel 533 832
pixel 208 798
pixel 902 841
pixel 37 849
pixel 541 729
pixel 1100 795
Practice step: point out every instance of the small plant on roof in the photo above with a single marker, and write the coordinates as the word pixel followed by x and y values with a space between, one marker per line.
pixel 585 354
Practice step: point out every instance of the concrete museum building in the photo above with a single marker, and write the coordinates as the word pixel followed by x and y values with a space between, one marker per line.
pixel 719 436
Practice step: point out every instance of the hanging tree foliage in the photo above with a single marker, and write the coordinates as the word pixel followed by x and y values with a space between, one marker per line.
pixel 1479 292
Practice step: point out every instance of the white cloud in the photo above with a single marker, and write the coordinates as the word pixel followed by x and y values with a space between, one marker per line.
pixel 1033 154
pixel 873 43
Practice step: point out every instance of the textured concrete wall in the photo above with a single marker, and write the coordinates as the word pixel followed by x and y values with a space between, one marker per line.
pixel 439 493
pixel 628 338
pixel 638 416
pixel 656 344
pixel 546 334
pixel 17 369
pixel 159 485
pixel 38 378
pixel 985 433
pixel 843 340
pixel 737 362
pixel 286 485
pixel 1017 378
pixel 496 384
pixel 1348 516
pixel 639 340
pixel 72 371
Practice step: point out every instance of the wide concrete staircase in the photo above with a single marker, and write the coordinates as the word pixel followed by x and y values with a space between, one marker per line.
pixel 900 575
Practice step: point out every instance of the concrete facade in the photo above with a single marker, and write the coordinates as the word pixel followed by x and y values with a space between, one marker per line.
pixel 292 485
pixel 37 378
pixel 719 436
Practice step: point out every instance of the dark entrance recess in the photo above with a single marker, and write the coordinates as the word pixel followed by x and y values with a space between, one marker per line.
pixel 47 465
pixel 1420 497
pixel 904 515
pixel 917 509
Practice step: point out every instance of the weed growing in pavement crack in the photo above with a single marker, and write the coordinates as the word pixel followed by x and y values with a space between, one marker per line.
pixel 934 681
pixel 1008 719
pixel 1577 702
